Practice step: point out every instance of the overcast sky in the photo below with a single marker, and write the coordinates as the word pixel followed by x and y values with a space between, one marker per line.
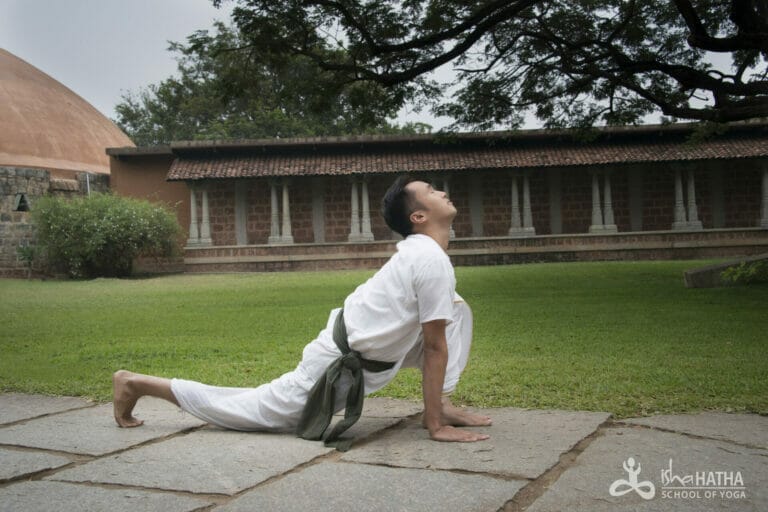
pixel 102 49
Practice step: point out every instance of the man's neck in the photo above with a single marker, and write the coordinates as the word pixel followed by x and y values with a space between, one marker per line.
pixel 439 235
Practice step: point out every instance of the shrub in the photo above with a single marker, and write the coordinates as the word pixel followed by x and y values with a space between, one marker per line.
pixel 747 273
pixel 101 235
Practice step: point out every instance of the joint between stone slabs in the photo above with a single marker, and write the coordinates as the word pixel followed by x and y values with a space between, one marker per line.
pixel 218 499
pixel 46 415
pixel 621 424
pixel 152 441
pixel 331 456
pixel 526 496
pixel 455 471
pixel 35 475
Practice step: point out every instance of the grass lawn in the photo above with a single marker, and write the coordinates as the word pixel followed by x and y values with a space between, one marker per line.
pixel 628 338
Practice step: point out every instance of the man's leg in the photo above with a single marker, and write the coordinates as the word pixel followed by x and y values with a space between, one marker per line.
pixel 129 387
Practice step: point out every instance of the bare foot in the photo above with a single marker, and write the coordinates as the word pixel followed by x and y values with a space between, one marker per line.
pixel 124 400
pixel 458 417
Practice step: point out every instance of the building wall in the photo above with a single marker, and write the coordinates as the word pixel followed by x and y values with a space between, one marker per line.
pixel 143 177
pixel 16 229
pixel 727 196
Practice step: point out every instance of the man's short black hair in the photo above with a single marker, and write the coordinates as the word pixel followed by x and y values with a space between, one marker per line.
pixel 397 206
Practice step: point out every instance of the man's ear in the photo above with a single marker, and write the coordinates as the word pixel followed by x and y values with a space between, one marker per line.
pixel 418 217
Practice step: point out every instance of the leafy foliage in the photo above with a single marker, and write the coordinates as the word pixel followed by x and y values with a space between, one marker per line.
pixel 225 91
pixel 747 273
pixel 578 62
pixel 102 234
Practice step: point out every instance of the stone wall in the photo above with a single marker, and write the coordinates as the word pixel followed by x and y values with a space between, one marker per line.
pixel 20 188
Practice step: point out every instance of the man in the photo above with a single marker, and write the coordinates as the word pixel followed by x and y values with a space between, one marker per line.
pixel 407 315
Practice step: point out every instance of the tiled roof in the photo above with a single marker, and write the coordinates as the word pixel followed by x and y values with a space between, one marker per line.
pixel 507 154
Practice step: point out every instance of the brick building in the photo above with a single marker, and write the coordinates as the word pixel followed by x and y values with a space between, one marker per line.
pixel 640 192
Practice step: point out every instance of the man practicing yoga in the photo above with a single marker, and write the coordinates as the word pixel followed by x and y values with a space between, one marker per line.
pixel 407 315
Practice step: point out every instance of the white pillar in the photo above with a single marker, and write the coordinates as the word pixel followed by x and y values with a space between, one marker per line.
pixel 609 223
pixel 527 213
pixel 764 203
pixel 680 221
pixel 205 224
pixel 354 223
pixel 597 212
pixel 286 236
pixel 524 227
pixel 194 232
pixel 693 212
pixel 274 230
pixel 365 228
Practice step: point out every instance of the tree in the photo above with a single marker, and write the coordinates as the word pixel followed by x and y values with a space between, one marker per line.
pixel 224 91
pixel 578 62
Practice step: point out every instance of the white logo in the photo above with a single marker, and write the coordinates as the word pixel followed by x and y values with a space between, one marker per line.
pixel 620 487
pixel 702 484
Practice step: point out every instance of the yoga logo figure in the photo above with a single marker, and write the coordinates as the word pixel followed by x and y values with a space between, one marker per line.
pixel 645 489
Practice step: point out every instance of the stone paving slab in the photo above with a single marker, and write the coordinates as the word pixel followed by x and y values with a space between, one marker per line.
pixel 380 407
pixel 523 444
pixel 585 486
pixel 333 487
pixel 17 463
pixel 748 429
pixel 210 460
pixel 17 406
pixel 93 430
pixel 48 496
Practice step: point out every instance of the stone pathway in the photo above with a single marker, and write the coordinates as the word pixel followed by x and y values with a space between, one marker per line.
pixel 66 454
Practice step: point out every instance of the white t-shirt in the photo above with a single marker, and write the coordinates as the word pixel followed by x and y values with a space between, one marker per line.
pixel 417 285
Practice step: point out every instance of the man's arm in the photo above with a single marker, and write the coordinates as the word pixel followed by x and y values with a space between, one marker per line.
pixel 433 375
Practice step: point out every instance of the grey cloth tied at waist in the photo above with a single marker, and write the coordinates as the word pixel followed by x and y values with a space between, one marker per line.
pixel 319 409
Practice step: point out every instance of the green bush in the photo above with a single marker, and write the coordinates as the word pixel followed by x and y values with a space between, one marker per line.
pixel 747 273
pixel 101 235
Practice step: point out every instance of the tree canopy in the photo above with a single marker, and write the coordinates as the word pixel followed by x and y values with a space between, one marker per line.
pixel 569 62
pixel 226 89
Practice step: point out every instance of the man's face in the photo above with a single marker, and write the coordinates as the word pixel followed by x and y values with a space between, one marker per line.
pixel 434 202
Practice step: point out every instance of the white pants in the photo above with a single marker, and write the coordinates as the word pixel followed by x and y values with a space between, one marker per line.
pixel 277 405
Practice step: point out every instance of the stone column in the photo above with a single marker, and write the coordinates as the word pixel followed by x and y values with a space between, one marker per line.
pixel 286 236
pixel 764 202
pixel 608 223
pixel 525 227
pixel 527 213
pixel 693 212
pixel 194 232
pixel 597 212
pixel 205 224
pixel 679 222
pixel 274 230
pixel 354 223
pixel 365 226
pixel 685 220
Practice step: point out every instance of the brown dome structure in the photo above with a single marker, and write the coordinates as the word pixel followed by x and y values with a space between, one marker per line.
pixel 45 125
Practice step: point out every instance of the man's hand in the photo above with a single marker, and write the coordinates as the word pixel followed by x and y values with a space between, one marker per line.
pixel 450 434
